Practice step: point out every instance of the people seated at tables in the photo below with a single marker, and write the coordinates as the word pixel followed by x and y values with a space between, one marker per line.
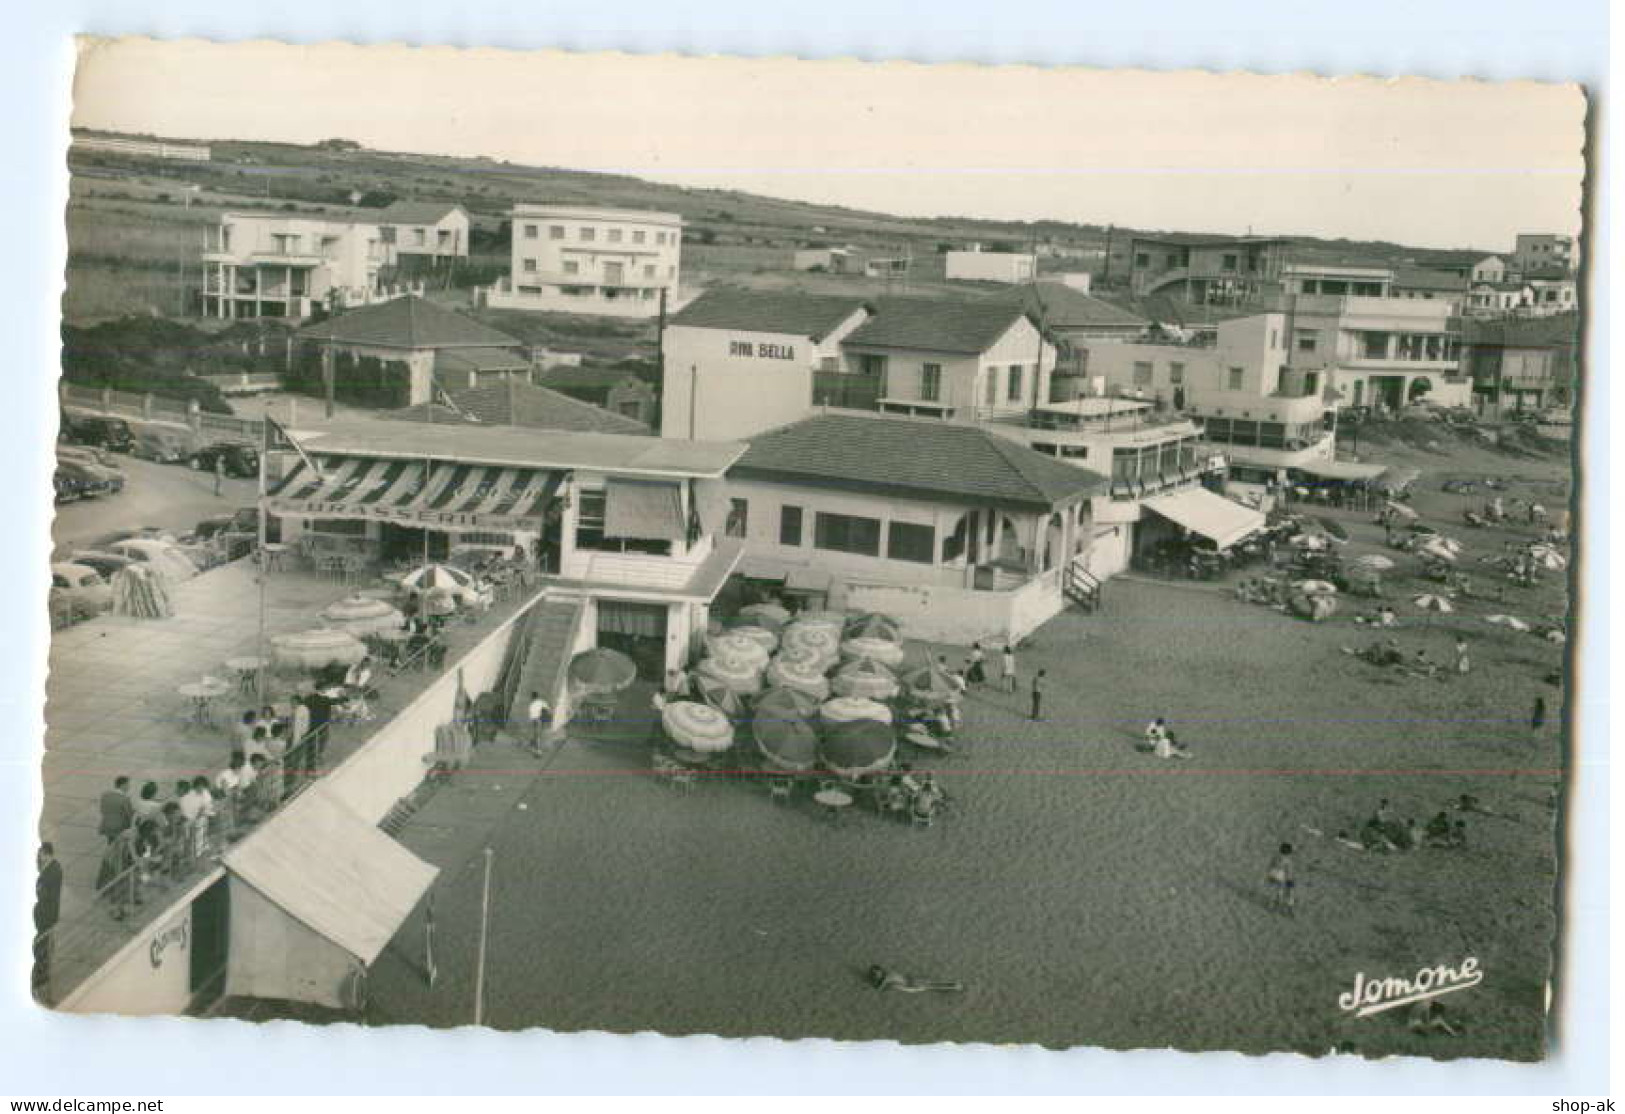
pixel 147 805
pixel 357 682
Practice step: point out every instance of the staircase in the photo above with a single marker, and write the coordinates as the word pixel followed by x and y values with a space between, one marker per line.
pixel 552 632
pixel 1080 585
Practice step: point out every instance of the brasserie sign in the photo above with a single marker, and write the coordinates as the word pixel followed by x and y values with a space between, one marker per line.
pixel 408 515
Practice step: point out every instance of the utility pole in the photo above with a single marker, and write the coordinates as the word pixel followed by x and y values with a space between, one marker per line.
pixel 485 923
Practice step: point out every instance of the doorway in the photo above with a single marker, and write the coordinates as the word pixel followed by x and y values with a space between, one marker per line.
pixel 637 630
pixel 211 942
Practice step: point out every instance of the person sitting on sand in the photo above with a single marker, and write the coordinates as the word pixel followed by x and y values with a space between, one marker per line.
pixel 1458 835
pixel 882 979
pixel 1167 746
pixel 1431 1017
pixel 1438 831
pixel 1374 836
pixel 1156 734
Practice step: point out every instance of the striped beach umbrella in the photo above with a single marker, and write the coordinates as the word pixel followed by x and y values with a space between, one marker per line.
pixel 698 727
pixel 743 677
pixel 738 647
pixel 826 642
pixel 867 678
pixel 874 625
pixel 767 615
pixel 881 650
pixel 797 674
pixel 763 637
pixel 843 709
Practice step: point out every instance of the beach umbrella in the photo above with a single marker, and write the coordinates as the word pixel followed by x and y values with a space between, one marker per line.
pixel 865 677
pixel 697 727
pixel 767 615
pixel 789 742
pixel 1431 602
pixel 1316 587
pixel 361 616
pixel 1512 622
pixel 601 670
pixel 719 696
pixel 738 647
pixel 316 649
pixel 744 677
pixel 929 685
pixel 788 703
pixel 1401 509
pixel 819 639
pixel 1452 544
pixel 763 637
pixel 857 748
pixel 1549 559
pixel 797 674
pixel 429 577
pixel 844 709
pixel 799 654
pixel 1312 607
pixel 1437 552
pixel 1541 549
pixel 881 650
pixel 1334 529
pixel 874 625
pixel 1373 562
pixel 1312 542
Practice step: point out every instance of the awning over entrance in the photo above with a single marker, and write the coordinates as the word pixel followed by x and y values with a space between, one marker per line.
pixel 1213 516
pixel 417 493
pixel 316 891
pixel 643 510
pixel 1347 470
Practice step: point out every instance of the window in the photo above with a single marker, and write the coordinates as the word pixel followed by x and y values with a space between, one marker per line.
pixel 1012 383
pixel 1141 259
pixel 555 232
pixel 638 235
pixel 531 231
pixel 847 534
pixel 931 382
pixel 990 394
pixel 419 237
pixel 738 518
pixel 588 235
pixel 1374 346
pixel 572 267
pixel 1235 377
pixel 1142 373
pixel 789 525
pixel 614 235
pixel 907 542
pixel 530 266
pixel 1176 374
pixel 1229 262
pixel 1307 340
pixel 874 366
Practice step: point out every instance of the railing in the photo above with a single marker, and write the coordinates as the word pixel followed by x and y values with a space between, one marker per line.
pixel 1080 585
pixel 146 863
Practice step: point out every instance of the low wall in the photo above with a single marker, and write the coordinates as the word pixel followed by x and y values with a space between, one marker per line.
pixel 957 616
pixel 152 974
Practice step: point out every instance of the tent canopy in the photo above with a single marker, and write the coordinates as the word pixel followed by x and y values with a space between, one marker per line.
pixel 1213 516
pixel 643 509
pixel 334 872
pixel 1348 470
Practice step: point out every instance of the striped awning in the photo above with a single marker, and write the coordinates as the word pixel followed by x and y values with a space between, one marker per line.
pixel 421 493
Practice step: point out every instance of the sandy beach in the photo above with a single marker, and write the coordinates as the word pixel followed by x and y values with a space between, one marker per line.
pixel 1085 892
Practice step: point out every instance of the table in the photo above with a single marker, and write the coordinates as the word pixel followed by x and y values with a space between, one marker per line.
pixel 247 670
pixel 833 802
pixel 202 694
pixel 276 555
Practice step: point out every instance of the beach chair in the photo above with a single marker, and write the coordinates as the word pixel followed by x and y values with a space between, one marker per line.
pixel 779 790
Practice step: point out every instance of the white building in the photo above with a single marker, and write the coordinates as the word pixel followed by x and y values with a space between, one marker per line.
pixel 991 266
pixel 426 229
pixel 276 266
pixel 1544 251
pixel 610 262
pixel 1386 352
pixel 1491 268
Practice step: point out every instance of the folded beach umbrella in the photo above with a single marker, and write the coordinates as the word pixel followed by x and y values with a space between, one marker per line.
pixel 1430 548
pixel 763 637
pixel 858 747
pixel 738 647
pixel 1401 509
pixel 698 727
pixel 1548 558
pixel 601 670
pixel 798 674
pixel 1373 562
pixel 867 678
pixel 1511 622
pixel 881 650
pixel 874 626
pixel 844 709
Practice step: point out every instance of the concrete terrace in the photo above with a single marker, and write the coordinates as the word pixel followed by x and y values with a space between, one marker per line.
pixel 112 708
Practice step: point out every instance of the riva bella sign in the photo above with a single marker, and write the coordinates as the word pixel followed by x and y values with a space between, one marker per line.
pixel 757 350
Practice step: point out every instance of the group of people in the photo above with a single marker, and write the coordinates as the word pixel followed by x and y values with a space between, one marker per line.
pixel 1385 652
pixel 1382 832
pixel 902 792
pixel 1161 741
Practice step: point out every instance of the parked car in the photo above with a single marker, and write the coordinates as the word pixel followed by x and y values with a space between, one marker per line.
pixel 164 558
pixel 98 461
pixel 240 460
pixel 69 488
pixel 90 480
pixel 107 564
pixel 80 589
pixel 162 446
pixel 109 433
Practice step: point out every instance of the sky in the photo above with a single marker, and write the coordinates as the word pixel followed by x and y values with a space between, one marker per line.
pixel 1417 161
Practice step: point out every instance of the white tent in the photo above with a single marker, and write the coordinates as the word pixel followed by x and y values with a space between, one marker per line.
pixel 316 893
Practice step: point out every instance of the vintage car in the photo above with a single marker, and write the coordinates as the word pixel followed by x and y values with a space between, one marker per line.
pixel 79 590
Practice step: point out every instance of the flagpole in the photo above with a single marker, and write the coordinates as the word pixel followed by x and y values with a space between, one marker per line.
pixel 485 921
pixel 264 561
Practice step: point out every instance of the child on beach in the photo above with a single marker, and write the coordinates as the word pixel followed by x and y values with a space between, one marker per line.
pixel 1007 659
pixel 1279 880
pixel 976 670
